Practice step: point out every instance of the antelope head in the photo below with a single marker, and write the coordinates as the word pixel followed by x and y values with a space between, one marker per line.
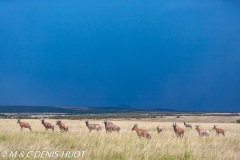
pixel 197 126
pixel 86 121
pixel 134 127
pixel 105 122
pixel 174 125
pixel 58 122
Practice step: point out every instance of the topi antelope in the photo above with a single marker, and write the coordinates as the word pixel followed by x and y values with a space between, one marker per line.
pixel 91 127
pixel 218 130
pixel 24 125
pixel 109 127
pixel 202 132
pixel 159 129
pixel 141 132
pixel 179 131
pixel 47 125
pixel 62 127
pixel 187 125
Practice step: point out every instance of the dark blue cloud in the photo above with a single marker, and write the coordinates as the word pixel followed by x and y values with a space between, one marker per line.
pixel 182 55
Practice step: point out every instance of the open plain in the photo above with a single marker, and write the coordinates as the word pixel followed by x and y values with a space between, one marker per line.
pixel 123 145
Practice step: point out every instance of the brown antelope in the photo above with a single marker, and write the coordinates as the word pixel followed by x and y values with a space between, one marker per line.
pixel 187 125
pixel 109 127
pixel 24 125
pixel 47 125
pixel 91 127
pixel 218 130
pixel 141 132
pixel 159 129
pixel 201 132
pixel 179 131
pixel 62 127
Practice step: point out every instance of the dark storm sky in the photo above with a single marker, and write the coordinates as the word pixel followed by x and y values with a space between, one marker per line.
pixel 166 54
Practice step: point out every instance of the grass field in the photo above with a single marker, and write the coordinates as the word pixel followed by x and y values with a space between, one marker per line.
pixel 123 145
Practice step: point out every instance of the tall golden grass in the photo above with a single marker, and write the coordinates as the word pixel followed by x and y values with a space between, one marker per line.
pixel 123 145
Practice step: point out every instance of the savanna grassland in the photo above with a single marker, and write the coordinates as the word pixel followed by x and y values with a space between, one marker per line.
pixel 123 145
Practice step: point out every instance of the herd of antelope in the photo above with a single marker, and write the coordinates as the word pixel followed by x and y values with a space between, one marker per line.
pixel 109 127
